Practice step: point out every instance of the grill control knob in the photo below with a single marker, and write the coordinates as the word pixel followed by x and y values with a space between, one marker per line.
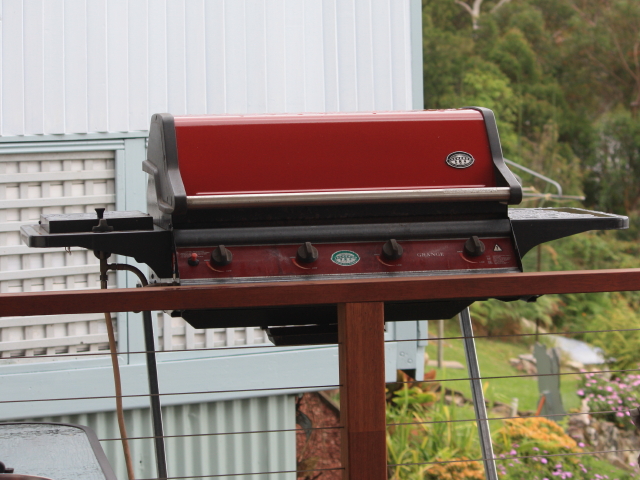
pixel 307 253
pixel 392 250
pixel 193 260
pixel 221 256
pixel 474 247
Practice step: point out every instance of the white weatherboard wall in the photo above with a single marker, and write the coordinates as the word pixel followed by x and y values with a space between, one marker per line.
pixel 85 72
pixel 76 66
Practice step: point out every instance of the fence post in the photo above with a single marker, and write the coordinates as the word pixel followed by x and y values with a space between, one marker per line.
pixel 362 391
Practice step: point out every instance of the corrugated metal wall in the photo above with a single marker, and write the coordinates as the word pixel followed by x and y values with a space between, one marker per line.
pixel 76 66
pixel 204 455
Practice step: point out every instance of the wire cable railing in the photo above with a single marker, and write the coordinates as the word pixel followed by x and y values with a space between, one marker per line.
pixel 272 346
pixel 390 425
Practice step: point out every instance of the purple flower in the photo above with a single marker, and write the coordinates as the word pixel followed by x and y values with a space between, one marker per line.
pixel 543 460
pixel 581 445
pixel 580 392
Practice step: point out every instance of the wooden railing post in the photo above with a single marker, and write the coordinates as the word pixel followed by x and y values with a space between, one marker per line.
pixel 362 390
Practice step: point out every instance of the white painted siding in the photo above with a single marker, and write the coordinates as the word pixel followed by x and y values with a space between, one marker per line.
pixel 77 66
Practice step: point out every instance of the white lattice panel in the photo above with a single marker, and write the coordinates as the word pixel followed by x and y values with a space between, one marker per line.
pixel 35 183
pixel 176 334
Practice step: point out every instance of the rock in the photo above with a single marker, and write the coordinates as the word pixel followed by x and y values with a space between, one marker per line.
pixel 572 364
pixel 619 447
pixel 524 363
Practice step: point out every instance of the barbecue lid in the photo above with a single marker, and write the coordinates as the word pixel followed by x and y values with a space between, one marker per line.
pixel 241 161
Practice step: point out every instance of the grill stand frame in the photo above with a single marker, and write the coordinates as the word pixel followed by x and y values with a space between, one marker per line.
pixel 477 394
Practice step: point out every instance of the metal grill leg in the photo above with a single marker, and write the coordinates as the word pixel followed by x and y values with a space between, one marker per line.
pixel 154 390
pixel 478 396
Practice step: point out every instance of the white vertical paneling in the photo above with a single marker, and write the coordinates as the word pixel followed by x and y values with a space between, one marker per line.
pixel 215 56
pixel 314 57
pixel 275 45
pixel 235 56
pixel 158 68
pixel 1 70
pixel 294 55
pixel 75 65
pixel 407 56
pixel 176 83
pixel 417 67
pixel 97 94
pixel 330 54
pixel 118 65
pixel 138 68
pixel 381 54
pixel 346 46
pixel 364 55
pixel 256 58
pixel 80 66
pixel 13 68
pixel 196 74
pixel 54 99
pixel 34 68
pixel 401 77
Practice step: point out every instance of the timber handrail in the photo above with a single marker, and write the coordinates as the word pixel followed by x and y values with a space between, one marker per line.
pixel 443 287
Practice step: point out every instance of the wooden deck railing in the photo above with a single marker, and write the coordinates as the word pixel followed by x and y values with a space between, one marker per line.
pixel 360 324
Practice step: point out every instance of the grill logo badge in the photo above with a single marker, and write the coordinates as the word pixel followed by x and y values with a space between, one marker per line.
pixel 460 160
pixel 345 258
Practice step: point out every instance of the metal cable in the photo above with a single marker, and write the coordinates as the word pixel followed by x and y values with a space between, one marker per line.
pixel 571 414
pixel 340 426
pixel 517 376
pixel 251 473
pixel 319 387
pixel 106 352
pixel 225 433
pixel 515 335
pixel 269 345
pixel 515 457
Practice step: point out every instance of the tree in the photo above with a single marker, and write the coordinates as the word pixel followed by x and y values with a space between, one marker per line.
pixel 474 9
pixel 605 37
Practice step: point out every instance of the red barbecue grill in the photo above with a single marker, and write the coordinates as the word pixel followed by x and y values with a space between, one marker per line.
pixel 252 198
pixel 257 198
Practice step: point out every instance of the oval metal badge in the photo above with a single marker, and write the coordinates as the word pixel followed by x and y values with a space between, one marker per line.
pixel 460 160
pixel 345 258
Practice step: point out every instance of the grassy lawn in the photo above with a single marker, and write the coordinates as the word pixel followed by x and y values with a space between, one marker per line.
pixel 493 356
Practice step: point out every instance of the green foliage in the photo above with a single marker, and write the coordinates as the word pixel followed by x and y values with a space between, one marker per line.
pixel 422 435
pixel 613 179
pixel 411 440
